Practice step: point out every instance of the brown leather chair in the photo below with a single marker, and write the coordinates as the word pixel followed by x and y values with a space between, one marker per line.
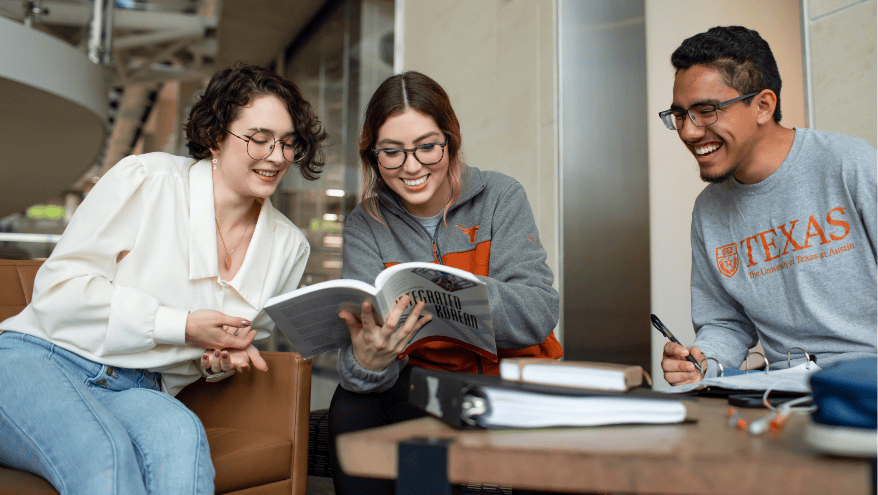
pixel 257 423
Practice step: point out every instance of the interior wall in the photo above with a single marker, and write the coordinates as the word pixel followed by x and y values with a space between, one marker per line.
pixel 497 61
pixel 840 39
pixel 673 175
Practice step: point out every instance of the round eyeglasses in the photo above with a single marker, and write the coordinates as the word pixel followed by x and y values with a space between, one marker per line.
pixel 702 115
pixel 426 154
pixel 260 145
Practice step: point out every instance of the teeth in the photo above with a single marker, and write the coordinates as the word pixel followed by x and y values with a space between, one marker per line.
pixel 266 173
pixel 706 149
pixel 416 182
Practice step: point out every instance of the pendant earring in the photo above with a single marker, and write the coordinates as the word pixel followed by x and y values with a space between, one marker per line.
pixel 215 161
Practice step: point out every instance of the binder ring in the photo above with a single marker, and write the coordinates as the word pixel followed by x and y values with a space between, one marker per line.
pixel 807 357
pixel 706 364
pixel 472 407
pixel 747 361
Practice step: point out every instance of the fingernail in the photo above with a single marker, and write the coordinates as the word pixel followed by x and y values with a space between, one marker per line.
pixel 246 323
pixel 245 368
pixel 216 353
pixel 225 354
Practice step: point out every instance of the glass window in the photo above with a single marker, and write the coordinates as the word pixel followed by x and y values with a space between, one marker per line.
pixel 337 70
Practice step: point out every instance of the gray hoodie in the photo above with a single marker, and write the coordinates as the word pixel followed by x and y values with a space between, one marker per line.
pixel 490 232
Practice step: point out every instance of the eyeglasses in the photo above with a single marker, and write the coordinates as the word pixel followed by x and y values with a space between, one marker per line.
pixel 260 145
pixel 426 154
pixel 701 115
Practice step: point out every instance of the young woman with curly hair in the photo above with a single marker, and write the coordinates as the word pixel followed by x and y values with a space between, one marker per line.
pixel 160 278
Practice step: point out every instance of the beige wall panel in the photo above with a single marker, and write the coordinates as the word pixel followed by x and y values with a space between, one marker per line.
pixel 843 71
pixel 497 61
pixel 674 183
pixel 167 121
pixel 547 65
pixel 546 201
pixel 817 8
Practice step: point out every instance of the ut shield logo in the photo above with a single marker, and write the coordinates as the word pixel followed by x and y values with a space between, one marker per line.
pixel 727 259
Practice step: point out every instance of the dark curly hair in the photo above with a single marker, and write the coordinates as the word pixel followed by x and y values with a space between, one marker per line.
pixel 742 57
pixel 235 87
pixel 394 96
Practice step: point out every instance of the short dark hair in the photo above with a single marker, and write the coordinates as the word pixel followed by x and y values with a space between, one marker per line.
pixel 235 87
pixel 742 57
pixel 396 95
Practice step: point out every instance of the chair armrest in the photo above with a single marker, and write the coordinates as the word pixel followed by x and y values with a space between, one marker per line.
pixel 276 401
pixel 16 285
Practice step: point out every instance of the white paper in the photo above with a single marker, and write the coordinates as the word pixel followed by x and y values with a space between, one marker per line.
pixel 796 379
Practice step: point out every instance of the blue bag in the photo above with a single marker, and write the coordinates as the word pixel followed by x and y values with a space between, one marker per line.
pixel 846 396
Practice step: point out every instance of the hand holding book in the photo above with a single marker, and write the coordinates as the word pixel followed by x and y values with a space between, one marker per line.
pixel 456 299
pixel 376 344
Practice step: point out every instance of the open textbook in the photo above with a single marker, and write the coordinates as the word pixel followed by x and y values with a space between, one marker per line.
pixel 457 299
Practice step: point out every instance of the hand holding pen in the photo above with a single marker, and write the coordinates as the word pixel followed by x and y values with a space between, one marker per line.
pixel 676 370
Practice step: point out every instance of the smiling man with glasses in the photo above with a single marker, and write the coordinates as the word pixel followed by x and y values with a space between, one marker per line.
pixel 784 236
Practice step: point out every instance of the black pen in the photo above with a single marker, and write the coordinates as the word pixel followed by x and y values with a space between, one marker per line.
pixel 667 333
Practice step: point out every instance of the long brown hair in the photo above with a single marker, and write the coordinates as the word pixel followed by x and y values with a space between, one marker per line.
pixel 397 94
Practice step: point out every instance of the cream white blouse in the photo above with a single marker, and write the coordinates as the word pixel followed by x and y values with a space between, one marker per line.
pixel 129 310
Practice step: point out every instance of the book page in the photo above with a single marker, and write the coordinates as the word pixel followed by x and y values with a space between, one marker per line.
pixel 309 316
pixel 796 379
pixel 517 408
pixel 457 299
pixel 570 376
pixel 584 374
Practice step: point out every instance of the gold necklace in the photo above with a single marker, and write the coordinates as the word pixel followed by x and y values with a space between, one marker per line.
pixel 228 259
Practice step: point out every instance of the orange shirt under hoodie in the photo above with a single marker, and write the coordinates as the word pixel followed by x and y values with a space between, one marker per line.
pixel 490 232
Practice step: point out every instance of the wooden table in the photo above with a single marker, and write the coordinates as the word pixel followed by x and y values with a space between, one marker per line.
pixel 707 456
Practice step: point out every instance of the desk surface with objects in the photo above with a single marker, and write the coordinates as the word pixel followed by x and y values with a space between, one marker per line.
pixel 707 456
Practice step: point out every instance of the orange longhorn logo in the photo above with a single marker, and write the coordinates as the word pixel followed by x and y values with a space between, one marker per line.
pixel 471 232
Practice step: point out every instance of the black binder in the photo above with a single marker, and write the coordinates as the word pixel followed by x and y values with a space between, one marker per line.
pixel 463 399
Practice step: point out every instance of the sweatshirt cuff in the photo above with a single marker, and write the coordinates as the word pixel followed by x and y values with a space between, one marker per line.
pixel 170 326
pixel 355 378
pixel 711 367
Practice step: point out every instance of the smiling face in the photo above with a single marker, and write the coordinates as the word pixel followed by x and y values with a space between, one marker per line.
pixel 237 171
pixel 423 190
pixel 724 148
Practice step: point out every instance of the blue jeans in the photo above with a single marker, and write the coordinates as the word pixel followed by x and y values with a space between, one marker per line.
pixel 93 429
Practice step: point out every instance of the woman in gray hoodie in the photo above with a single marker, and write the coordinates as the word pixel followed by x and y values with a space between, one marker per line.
pixel 421 202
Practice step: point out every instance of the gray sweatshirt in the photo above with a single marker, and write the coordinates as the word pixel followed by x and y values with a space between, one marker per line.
pixel 790 261
pixel 491 233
